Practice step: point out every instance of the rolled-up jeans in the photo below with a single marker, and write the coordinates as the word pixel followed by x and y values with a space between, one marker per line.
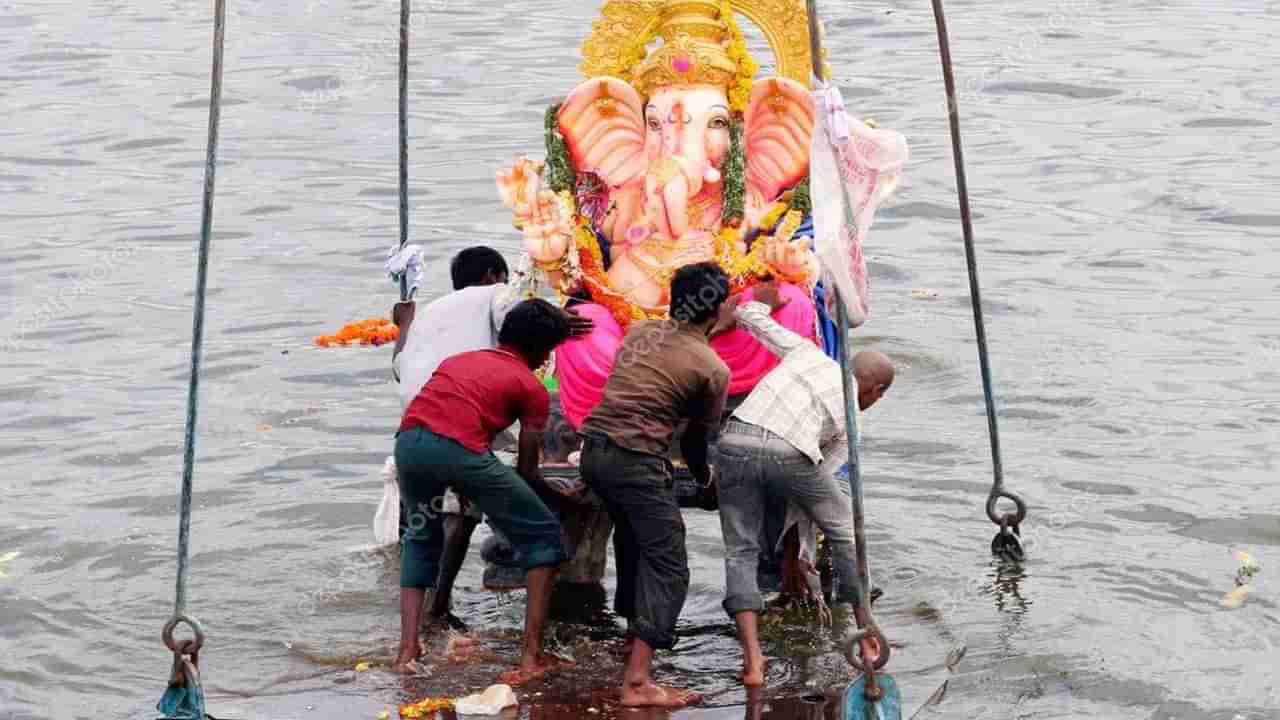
pixel 751 462
pixel 649 537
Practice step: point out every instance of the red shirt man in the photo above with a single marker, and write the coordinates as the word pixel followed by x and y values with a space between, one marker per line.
pixel 475 395
pixel 444 442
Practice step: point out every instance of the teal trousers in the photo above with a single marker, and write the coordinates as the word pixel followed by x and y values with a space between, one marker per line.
pixel 429 464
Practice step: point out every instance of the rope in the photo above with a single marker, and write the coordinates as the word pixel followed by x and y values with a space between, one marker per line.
pixel 1009 521
pixel 185 699
pixel 404 138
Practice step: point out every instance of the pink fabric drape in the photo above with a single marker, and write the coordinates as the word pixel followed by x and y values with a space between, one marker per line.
pixel 583 364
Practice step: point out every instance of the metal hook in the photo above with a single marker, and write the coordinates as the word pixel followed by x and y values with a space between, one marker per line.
pixel 1019 503
pixel 853 654
pixel 191 647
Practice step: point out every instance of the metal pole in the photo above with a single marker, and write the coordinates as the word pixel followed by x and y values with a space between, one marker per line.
pixel 873 691
pixel 404 138
pixel 975 292
pixel 855 464
pixel 846 362
pixel 197 329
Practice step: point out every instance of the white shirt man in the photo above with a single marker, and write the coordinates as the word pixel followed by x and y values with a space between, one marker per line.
pixel 462 321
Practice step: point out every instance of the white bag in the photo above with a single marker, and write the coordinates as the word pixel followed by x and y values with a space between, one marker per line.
pixel 386 522
pixel 492 701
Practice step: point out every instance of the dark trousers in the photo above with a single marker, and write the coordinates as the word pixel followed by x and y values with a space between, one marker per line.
pixel 648 539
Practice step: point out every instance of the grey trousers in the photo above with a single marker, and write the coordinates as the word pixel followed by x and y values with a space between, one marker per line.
pixel 751 463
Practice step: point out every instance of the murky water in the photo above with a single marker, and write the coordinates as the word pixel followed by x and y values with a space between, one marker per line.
pixel 1122 159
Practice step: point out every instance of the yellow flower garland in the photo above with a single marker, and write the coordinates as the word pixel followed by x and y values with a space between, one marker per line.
pixel 740 93
pixel 772 217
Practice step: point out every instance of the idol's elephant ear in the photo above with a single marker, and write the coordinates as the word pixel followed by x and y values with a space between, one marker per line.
pixel 602 122
pixel 779 130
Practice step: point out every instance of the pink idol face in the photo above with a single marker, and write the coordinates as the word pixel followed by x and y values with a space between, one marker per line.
pixel 691 122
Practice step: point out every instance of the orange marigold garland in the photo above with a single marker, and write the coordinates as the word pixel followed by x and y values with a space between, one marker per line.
pixel 591 260
pixel 374 331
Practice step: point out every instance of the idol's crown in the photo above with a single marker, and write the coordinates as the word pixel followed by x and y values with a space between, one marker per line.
pixel 694 51
pixel 701 43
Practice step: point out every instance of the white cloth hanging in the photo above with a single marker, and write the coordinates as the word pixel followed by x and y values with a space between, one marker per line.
pixel 848 160
pixel 406 262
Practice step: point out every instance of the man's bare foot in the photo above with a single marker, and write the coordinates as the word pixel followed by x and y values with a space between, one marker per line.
pixel 463 649
pixel 458 641
pixel 520 676
pixel 406 658
pixel 532 668
pixel 825 618
pixel 753 671
pixel 651 695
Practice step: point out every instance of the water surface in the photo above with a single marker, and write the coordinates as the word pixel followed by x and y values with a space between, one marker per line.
pixel 1122 161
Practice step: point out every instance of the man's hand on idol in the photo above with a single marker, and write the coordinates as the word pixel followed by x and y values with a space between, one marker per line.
pixel 767 293
pixel 578 325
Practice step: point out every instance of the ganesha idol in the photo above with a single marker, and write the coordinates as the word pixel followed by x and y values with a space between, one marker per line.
pixel 672 152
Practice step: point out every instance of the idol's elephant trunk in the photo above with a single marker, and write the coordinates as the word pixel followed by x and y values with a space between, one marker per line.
pixel 672 182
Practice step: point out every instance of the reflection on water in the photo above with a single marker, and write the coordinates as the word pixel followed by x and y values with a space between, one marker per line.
pixel 1122 162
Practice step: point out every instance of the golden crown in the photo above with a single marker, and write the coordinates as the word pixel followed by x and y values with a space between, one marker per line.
pixel 694 51
pixel 701 43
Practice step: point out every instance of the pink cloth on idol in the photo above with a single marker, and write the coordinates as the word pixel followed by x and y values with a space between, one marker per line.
pixel 583 364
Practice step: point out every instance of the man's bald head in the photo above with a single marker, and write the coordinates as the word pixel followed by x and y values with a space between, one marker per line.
pixel 874 373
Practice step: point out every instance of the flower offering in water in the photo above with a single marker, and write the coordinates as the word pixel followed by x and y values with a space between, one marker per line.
pixel 374 331
pixel 425 708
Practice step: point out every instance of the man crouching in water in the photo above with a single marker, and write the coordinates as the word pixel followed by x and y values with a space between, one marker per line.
pixel 444 442
pixel 788 437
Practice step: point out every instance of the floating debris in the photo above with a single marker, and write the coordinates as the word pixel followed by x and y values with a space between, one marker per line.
pixel 955 656
pixel 5 559
pixel 1244 574
pixel 1248 567
pixel 362 667
pixel 490 702
pixel 1236 598
pixel 924 293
